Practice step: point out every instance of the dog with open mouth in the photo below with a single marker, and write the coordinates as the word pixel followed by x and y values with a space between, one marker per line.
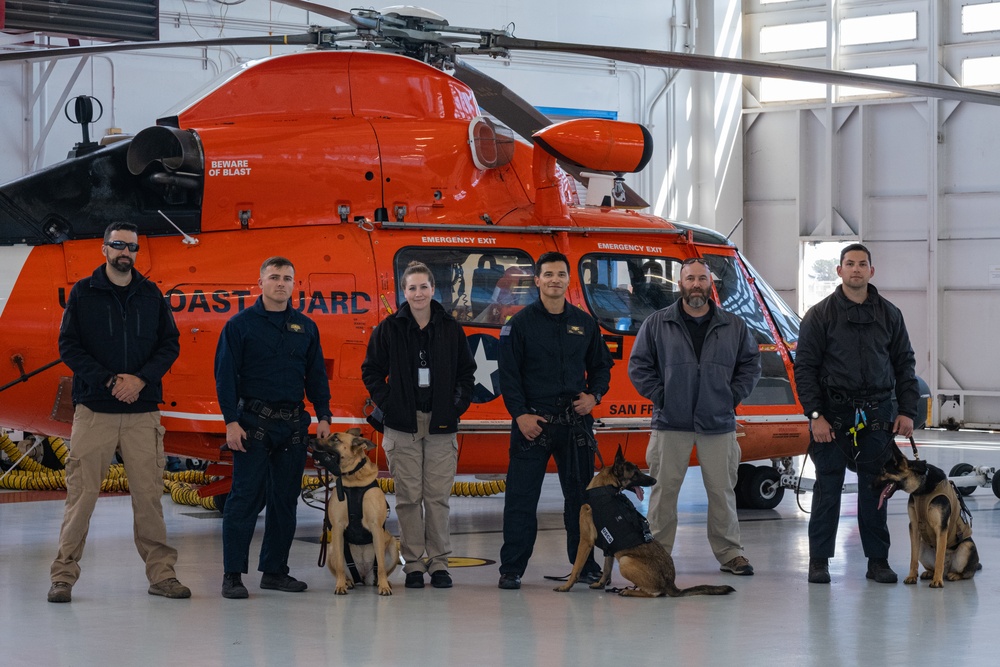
pixel 940 523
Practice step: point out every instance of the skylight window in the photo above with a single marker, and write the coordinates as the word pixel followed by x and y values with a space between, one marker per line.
pixel 793 37
pixel 981 18
pixel 981 71
pixel 878 29
pixel 905 72
pixel 785 90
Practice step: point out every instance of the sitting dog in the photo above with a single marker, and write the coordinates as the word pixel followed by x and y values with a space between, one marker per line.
pixel 611 521
pixel 357 513
pixel 940 523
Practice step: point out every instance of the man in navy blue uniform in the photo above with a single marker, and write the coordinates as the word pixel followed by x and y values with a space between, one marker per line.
pixel 268 356
pixel 554 368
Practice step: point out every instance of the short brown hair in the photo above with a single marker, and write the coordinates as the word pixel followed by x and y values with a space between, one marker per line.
pixel 277 262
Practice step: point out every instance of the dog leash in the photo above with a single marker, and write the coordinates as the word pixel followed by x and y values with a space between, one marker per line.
pixel 913 446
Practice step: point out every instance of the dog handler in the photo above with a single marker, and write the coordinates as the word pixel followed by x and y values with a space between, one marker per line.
pixel 554 368
pixel 268 356
pixel 420 373
pixel 695 362
pixel 853 353
pixel 119 339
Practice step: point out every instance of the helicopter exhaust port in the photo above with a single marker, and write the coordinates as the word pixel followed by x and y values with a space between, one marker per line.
pixel 178 151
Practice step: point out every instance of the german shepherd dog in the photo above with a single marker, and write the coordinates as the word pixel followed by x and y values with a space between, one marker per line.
pixel 940 524
pixel 648 566
pixel 344 455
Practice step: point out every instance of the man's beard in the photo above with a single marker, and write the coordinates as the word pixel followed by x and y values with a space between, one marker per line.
pixel 694 297
pixel 123 264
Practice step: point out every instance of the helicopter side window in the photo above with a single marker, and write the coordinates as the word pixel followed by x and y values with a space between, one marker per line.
pixel 784 317
pixel 623 290
pixel 738 297
pixel 502 281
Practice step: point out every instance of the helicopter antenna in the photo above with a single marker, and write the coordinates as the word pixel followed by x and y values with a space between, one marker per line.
pixel 733 230
pixel 188 239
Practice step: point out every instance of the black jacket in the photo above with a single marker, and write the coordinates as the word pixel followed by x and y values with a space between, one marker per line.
pixel 100 338
pixel 389 370
pixel 544 357
pixel 858 350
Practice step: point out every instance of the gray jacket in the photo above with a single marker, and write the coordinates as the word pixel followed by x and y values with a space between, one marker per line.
pixel 688 394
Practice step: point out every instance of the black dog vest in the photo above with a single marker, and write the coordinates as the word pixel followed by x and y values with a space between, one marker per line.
pixel 619 524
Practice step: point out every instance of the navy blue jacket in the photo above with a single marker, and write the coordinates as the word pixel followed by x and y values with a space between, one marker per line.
pixel 688 393
pixel 270 358
pixel 545 356
pixel 100 338
pixel 855 349
pixel 389 370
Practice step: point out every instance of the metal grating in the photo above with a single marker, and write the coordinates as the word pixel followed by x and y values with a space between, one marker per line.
pixel 132 20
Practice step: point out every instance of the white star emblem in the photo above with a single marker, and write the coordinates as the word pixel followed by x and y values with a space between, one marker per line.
pixel 485 368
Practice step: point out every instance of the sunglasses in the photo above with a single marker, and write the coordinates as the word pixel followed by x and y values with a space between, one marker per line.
pixel 121 245
pixel 694 260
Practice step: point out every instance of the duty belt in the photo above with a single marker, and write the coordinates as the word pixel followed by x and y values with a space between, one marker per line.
pixel 843 399
pixel 286 412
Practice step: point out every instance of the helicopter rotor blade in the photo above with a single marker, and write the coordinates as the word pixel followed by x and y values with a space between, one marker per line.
pixel 331 13
pixel 675 60
pixel 521 117
pixel 72 51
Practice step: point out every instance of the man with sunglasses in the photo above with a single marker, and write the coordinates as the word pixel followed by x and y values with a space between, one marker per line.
pixel 119 339
pixel 695 362
pixel 853 354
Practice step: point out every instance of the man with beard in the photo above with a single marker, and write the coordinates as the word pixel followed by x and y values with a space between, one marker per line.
pixel 695 362
pixel 119 339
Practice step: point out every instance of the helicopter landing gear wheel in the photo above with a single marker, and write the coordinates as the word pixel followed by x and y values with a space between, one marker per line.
pixel 763 488
pixel 961 470
pixel 996 485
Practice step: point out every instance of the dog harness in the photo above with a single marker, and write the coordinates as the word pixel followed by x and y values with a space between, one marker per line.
pixel 355 532
pixel 619 524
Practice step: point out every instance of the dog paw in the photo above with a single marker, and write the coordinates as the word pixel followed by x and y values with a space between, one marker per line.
pixel 562 589
pixel 340 590
pixel 937 584
pixel 597 585
pixel 385 591
pixel 910 580
pixel 926 574
pixel 953 576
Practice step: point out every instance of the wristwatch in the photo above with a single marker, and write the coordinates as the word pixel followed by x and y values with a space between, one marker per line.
pixel 597 398
pixel 815 414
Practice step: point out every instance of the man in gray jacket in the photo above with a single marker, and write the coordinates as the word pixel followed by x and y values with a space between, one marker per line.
pixel 696 363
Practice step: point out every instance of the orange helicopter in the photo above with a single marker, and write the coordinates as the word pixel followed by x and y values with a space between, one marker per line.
pixel 354 163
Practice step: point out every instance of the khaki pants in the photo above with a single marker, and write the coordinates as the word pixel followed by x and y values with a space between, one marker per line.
pixel 94 439
pixel 668 455
pixel 423 468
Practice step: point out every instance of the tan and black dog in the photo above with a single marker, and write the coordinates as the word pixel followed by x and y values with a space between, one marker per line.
pixel 345 456
pixel 625 535
pixel 940 525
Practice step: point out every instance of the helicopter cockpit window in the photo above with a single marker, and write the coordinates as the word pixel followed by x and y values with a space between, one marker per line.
pixel 623 290
pixel 784 317
pixel 737 296
pixel 482 286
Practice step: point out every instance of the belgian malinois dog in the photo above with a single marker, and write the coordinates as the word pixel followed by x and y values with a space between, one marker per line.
pixel 940 524
pixel 646 564
pixel 344 455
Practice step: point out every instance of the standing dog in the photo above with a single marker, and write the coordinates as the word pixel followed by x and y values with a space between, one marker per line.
pixel 624 534
pixel 359 520
pixel 940 524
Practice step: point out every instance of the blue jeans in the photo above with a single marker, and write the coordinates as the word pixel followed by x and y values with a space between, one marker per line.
pixel 525 474
pixel 268 474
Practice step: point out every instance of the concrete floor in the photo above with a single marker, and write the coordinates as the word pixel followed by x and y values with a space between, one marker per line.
pixel 775 617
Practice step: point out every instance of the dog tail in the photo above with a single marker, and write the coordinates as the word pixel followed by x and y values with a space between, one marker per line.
pixel 703 589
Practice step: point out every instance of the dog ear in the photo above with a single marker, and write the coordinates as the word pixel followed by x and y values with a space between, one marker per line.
pixel 363 442
pixel 619 457
pixel 354 431
pixel 918 466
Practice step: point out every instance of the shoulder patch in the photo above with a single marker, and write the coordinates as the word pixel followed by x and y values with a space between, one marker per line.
pixel 505 330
